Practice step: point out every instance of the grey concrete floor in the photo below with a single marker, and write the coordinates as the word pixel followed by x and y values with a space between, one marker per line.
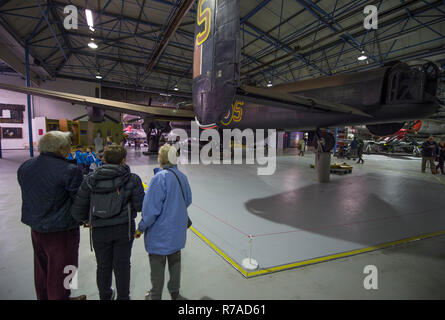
pixel 292 218
pixel 411 271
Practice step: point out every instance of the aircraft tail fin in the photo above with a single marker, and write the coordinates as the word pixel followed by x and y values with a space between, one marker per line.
pixel 216 63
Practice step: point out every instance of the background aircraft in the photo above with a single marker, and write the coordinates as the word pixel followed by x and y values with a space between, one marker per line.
pixel 426 128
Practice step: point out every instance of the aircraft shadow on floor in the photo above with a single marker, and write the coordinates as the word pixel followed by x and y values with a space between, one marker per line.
pixel 350 209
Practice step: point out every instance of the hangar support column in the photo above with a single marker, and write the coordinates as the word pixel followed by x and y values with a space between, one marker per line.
pixel 28 84
pixel 323 166
pixel 324 142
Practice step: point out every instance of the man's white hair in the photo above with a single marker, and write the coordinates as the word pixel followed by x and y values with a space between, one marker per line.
pixel 54 141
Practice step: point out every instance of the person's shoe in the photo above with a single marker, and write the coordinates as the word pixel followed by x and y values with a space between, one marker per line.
pixel 147 295
pixel 81 297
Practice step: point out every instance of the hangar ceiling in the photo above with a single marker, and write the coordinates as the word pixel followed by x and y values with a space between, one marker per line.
pixel 148 44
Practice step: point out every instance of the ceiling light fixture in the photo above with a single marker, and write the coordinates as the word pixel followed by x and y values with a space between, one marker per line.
pixel 92 44
pixel 363 56
pixel 176 87
pixel 269 84
pixel 89 15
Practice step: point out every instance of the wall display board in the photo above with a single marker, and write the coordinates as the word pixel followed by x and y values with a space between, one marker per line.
pixel 12 133
pixel 11 113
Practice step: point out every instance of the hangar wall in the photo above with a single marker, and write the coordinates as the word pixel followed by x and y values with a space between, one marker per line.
pixel 43 107
pixel 54 109
pixel 9 97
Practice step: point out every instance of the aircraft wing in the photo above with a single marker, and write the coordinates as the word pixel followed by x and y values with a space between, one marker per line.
pixel 291 101
pixel 160 113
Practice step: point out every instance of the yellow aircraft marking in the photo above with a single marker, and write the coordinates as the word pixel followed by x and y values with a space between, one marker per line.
pixel 203 16
pixel 237 111
pixel 236 114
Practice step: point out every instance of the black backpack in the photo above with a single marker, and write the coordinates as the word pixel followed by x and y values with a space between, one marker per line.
pixel 107 205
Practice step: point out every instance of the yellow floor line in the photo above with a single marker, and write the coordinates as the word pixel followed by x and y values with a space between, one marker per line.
pixel 220 252
pixel 439 180
pixel 248 274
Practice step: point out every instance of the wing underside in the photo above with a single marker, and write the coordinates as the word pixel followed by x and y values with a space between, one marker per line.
pixel 160 113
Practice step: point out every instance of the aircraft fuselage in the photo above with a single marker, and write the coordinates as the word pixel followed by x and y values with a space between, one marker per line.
pixel 256 116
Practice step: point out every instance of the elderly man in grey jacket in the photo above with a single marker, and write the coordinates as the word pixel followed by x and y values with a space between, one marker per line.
pixel 49 184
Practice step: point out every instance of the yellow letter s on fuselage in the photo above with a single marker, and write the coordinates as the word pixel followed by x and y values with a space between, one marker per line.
pixel 203 16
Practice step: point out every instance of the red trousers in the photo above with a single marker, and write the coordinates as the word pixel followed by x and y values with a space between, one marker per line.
pixel 53 251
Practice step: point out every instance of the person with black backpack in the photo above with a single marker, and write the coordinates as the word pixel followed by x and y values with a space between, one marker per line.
pixel 108 201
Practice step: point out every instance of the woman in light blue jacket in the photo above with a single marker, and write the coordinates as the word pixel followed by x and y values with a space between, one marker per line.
pixel 164 223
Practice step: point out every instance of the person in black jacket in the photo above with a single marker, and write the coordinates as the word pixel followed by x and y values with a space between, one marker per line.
pixel 360 147
pixel 113 187
pixel 49 184
pixel 354 148
pixel 429 152
pixel 441 157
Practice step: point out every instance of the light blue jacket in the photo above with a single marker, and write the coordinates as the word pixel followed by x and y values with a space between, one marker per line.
pixel 164 213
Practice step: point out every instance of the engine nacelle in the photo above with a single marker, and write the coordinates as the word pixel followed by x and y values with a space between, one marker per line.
pixel 95 114
pixel 385 129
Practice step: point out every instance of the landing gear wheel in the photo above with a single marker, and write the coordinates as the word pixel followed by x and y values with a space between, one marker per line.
pixel 326 141
pixel 431 71
pixel 153 143
pixel 432 75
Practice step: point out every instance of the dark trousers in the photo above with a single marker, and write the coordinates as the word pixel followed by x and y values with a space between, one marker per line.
pixel 354 153
pixel 157 266
pixel 113 252
pixel 430 160
pixel 53 251
pixel 440 166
